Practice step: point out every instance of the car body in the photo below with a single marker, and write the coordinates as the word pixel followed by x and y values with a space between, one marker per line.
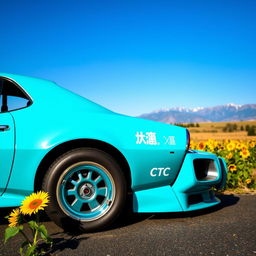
pixel 159 170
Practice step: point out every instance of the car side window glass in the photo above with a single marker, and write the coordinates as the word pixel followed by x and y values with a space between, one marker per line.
pixel 16 102
pixel 12 97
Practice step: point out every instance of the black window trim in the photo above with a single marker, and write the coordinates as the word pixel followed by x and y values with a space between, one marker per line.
pixel 20 88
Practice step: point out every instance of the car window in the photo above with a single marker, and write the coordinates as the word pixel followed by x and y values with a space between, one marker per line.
pixel 12 97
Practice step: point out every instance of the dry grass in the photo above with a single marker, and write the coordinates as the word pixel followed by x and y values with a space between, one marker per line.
pixel 221 136
pixel 238 191
pixel 214 131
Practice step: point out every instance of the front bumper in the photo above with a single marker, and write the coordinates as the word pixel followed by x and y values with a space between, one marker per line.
pixel 193 186
pixel 192 189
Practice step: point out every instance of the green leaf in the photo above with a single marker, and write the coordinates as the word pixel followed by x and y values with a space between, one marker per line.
pixel 44 234
pixel 10 232
pixel 33 225
pixel 30 251
pixel 43 230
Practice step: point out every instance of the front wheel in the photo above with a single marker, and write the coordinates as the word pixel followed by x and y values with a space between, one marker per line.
pixel 87 190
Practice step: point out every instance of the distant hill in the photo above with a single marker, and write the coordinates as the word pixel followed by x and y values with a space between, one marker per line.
pixel 223 113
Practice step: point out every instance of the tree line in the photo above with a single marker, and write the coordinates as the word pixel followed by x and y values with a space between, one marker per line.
pixel 250 129
pixel 188 125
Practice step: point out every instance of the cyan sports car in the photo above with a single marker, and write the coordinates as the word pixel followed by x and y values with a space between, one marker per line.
pixel 89 159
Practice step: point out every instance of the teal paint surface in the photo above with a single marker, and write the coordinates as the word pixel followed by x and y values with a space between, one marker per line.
pixel 160 199
pixel 176 198
pixel 7 140
pixel 58 116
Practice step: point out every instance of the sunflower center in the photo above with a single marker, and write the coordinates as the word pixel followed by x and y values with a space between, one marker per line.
pixel 35 203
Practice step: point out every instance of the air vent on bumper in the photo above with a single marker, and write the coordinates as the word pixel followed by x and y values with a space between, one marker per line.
pixel 205 169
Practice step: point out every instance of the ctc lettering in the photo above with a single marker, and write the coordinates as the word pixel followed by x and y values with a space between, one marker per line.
pixel 157 172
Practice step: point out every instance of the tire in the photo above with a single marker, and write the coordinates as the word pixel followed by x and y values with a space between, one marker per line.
pixel 87 190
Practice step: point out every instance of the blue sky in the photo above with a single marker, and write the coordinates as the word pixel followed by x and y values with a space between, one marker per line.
pixel 136 56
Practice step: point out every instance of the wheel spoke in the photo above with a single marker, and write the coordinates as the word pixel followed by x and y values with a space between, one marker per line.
pixel 89 175
pixel 77 204
pixel 93 204
pixel 102 191
pixel 80 176
pixel 98 180
pixel 71 192
pixel 74 182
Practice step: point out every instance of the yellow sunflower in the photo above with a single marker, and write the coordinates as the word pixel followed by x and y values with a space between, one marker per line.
pixel 211 144
pixel 35 202
pixel 192 144
pixel 248 181
pixel 240 146
pixel 216 145
pixel 201 145
pixel 230 146
pixel 252 144
pixel 14 218
pixel 232 168
pixel 245 153
pixel 229 155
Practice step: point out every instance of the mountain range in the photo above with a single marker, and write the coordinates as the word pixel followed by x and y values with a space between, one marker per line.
pixel 224 113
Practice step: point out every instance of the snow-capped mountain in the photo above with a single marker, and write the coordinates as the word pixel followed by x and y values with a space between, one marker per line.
pixel 223 113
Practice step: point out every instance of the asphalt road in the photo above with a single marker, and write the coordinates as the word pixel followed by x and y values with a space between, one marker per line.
pixel 228 229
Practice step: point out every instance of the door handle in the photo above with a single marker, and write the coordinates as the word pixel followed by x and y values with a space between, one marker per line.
pixel 4 128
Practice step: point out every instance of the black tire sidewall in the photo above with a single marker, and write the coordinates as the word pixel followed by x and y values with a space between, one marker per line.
pixel 54 173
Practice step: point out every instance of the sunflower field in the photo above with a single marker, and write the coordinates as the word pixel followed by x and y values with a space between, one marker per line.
pixel 240 157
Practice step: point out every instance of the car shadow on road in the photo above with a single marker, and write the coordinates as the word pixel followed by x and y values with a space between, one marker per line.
pixel 226 201
pixel 61 241
pixel 69 241
pixel 134 218
pixel 130 218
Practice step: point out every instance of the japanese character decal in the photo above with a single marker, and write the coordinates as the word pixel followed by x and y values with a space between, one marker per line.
pixel 149 138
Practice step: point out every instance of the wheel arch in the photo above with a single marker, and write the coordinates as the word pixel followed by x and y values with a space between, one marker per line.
pixel 78 143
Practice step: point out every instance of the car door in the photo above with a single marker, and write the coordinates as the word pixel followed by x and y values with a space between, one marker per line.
pixel 12 98
pixel 6 148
